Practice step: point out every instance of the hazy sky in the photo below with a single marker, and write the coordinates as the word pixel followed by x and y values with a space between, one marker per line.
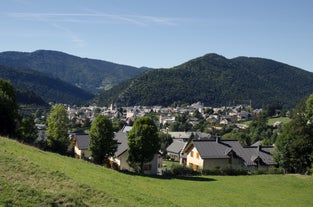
pixel 161 33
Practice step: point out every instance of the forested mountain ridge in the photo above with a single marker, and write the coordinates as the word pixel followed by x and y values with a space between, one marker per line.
pixel 48 88
pixel 92 75
pixel 215 80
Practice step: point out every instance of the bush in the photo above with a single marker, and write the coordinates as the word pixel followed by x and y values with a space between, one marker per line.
pixel 180 170
pixel 275 170
pixel 225 171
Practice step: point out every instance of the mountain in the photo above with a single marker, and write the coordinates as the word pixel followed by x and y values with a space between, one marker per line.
pixel 49 88
pixel 215 80
pixel 92 75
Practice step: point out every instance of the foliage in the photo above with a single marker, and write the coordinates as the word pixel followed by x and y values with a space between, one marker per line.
pixel 27 131
pixel 225 171
pixel 92 75
pixel 31 177
pixel 258 128
pixel 215 81
pixel 102 143
pixel 8 109
pixel 49 88
pixel 181 123
pixel 241 135
pixel 143 143
pixel 294 146
pixel 165 140
pixel 57 131
pixel 181 170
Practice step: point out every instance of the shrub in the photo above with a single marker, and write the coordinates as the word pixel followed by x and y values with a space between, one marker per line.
pixel 275 170
pixel 180 170
pixel 225 171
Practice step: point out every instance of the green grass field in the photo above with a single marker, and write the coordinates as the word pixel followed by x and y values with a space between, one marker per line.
pixel 31 177
pixel 271 121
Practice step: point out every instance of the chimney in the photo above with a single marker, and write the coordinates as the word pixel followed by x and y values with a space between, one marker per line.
pixel 259 148
pixel 217 140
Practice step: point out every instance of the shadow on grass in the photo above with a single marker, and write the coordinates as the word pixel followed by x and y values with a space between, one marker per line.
pixel 166 177
pixel 189 178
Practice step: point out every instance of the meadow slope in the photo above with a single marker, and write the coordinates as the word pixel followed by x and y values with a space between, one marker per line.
pixel 31 177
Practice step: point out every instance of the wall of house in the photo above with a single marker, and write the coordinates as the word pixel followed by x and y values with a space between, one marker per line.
pixel 173 156
pixel 194 159
pixel 222 163
pixel 214 163
pixel 82 153
pixel 123 162
pixel 152 167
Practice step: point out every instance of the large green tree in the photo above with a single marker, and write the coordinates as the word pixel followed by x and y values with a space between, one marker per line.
pixel 27 131
pixel 102 142
pixel 294 146
pixel 57 131
pixel 143 143
pixel 8 109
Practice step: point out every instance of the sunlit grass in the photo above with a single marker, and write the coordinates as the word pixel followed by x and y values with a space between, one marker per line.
pixel 30 177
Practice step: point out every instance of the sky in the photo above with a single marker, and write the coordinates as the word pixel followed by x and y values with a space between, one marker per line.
pixel 161 33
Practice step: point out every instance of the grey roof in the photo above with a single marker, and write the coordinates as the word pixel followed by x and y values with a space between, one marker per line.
pixel 176 147
pixel 122 142
pixel 126 129
pixel 211 149
pixel 186 135
pixel 249 154
pixel 258 143
pixel 82 141
pixel 264 153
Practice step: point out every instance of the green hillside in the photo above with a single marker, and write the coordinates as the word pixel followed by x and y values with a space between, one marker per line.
pixel 215 81
pixel 31 177
pixel 91 75
pixel 48 88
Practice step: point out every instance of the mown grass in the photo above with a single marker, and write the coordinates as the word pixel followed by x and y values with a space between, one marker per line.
pixel 285 120
pixel 30 177
pixel 271 121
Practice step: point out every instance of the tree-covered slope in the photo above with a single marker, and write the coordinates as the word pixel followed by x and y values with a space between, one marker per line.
pixel 215 80
pixel 49 88
pixel 89 74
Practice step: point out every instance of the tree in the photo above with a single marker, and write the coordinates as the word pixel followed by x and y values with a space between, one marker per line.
pixel 27 130
pixel 143 143
pixel 294 146
pixel 57 131
pixel 102 143
pixel 258 129
pixel 8 109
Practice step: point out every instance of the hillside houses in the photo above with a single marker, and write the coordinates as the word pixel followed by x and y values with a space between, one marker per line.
pixel 167 115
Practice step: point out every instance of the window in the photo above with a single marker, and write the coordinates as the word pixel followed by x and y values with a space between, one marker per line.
pixel 198 156
pixel 191 153
pixel 147 167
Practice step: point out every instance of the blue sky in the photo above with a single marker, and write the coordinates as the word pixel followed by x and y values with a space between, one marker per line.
pixel 161 33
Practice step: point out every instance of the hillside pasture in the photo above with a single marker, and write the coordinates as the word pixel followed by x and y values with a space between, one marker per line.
pixel 31 177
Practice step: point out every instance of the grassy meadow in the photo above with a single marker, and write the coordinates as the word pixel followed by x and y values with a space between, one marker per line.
pixel 31 177
pixel 271 121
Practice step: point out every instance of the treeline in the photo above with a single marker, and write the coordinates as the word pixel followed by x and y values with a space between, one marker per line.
pixel 215 81
pixel 48 88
